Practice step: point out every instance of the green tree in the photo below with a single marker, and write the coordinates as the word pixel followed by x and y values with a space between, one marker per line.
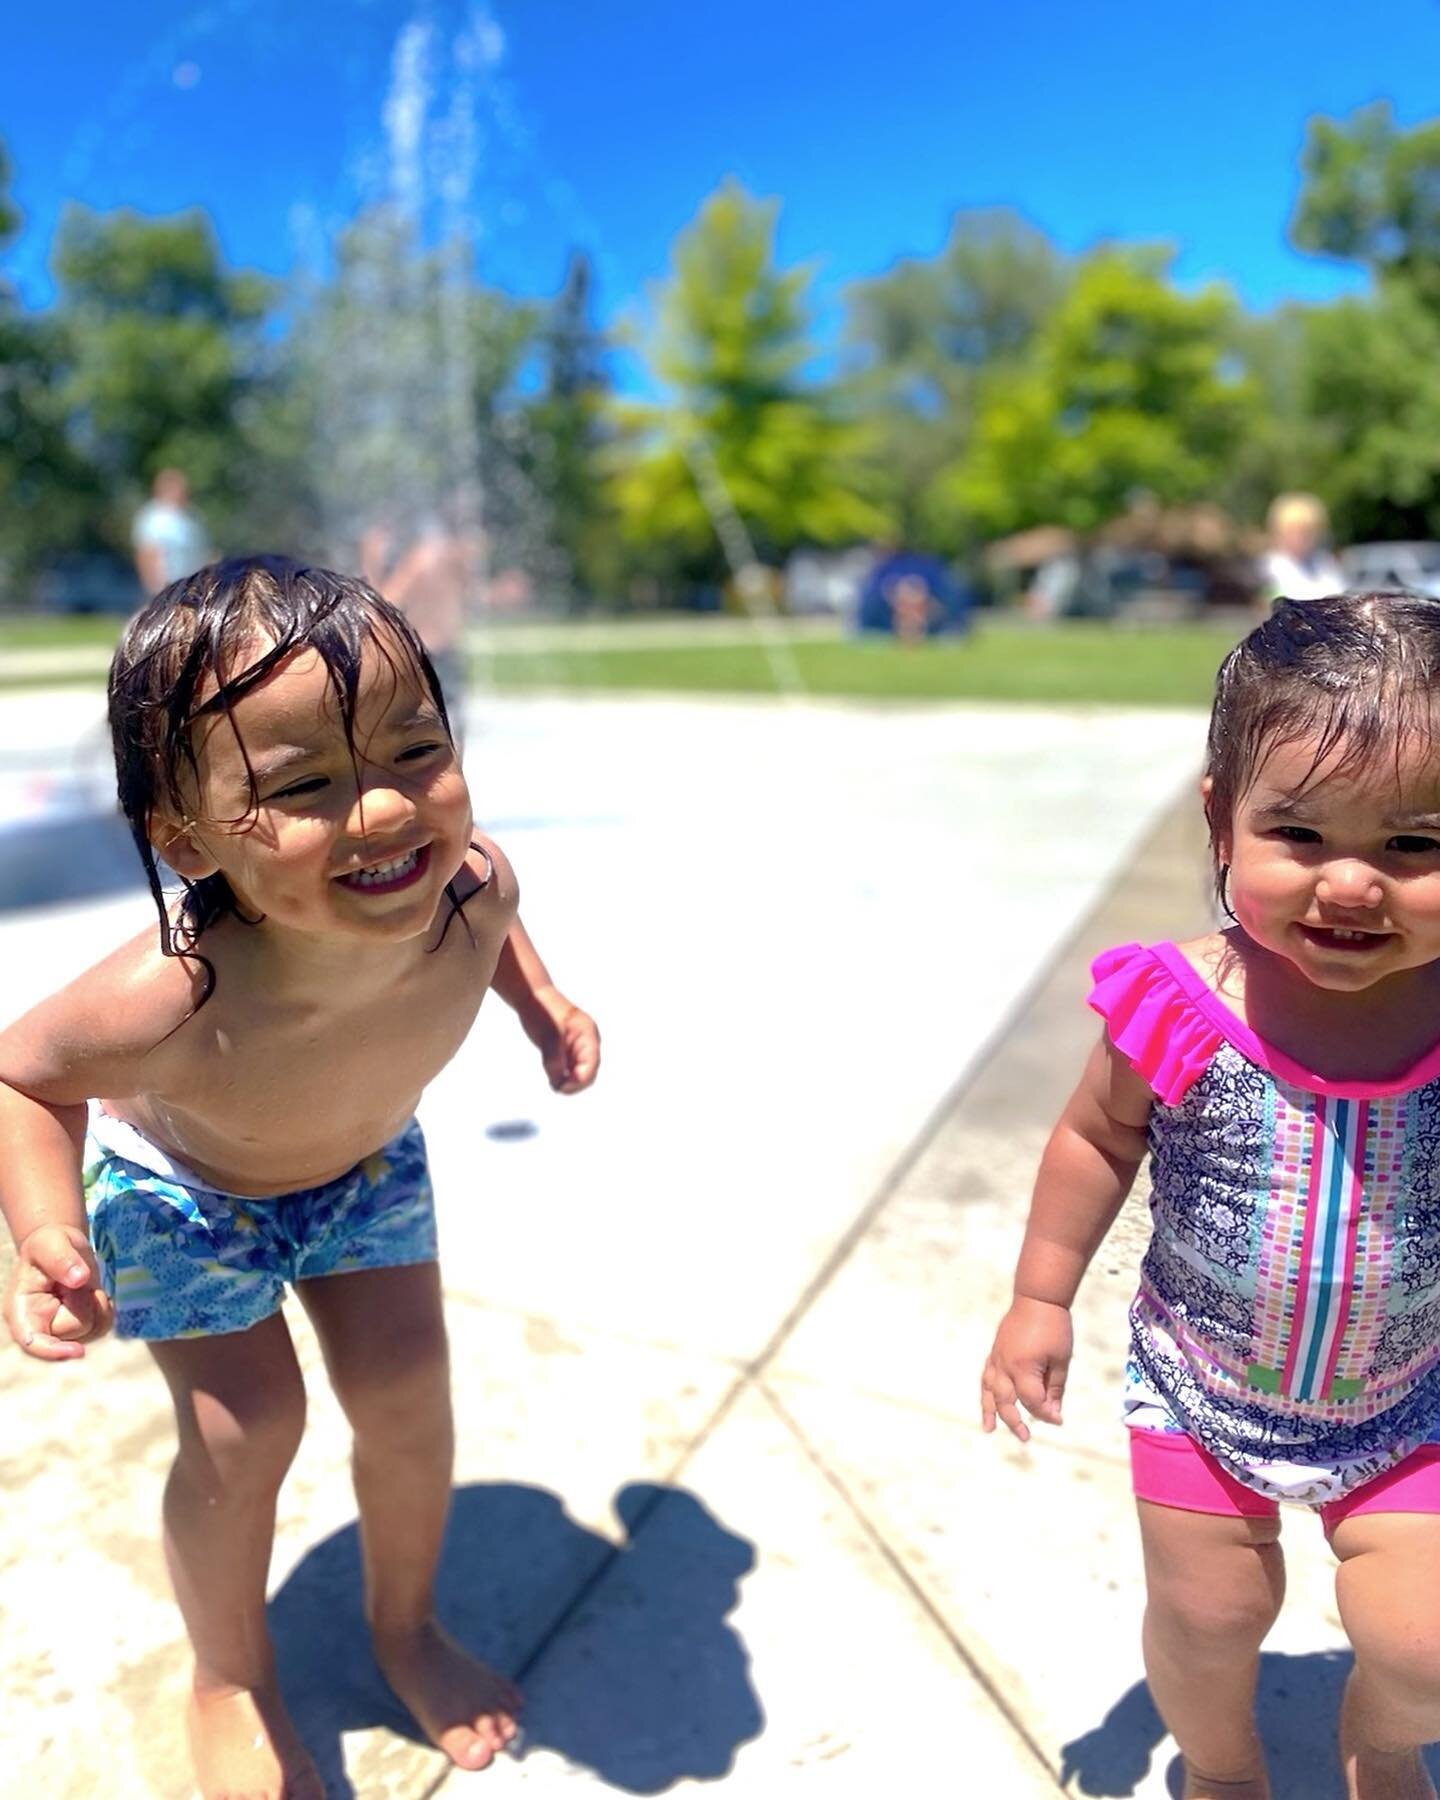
pixel 1278 449
pixel 1129 388
pixel 51 497
pixel 403 399
pixel 9 212
pixel 743 438
pixel 1371 393
pixel 924 335
pixel 48 493
pixel 1369 368
pixel 566 431
pixel 979 302
pixel 161 347
pixel 1371 194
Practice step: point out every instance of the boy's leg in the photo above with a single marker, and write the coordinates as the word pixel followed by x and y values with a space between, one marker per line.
pixel 1388 1587
pixel 1214 1584
pixel 239 1409
pixel 383 1335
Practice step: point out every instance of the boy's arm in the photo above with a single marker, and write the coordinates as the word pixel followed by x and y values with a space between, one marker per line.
pixel 55 1283
pixel 41 1179
pixel 520 975
pixel 1088 1168
pixel 94 1037
pixel 567 1038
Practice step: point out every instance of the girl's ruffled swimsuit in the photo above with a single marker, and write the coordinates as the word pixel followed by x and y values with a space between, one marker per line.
pixel 1288 1318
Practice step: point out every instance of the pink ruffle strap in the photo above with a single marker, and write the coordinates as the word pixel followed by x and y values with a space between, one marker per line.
pixel 1152 1021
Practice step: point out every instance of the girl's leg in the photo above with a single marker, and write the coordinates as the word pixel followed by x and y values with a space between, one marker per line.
pixel 239 1409
pixel 383 1335
pixel 1388 1587
pixel 1214 1584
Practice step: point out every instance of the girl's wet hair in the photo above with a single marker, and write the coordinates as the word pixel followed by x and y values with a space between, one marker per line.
pixel 208 628
pixel 1356 676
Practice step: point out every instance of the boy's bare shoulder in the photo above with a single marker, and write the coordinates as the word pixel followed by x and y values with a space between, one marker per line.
pixel 100 1031
pixel 487 873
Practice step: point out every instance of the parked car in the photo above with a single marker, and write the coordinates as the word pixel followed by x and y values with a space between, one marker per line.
pixel 87 582
pixel 1115 582
pixel 1415 566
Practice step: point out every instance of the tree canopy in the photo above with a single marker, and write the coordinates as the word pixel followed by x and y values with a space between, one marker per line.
pixel 923 337
pixel 741 429
pixel 1126 390
pixel 995 384
pixel 158 346
pixel 1371 195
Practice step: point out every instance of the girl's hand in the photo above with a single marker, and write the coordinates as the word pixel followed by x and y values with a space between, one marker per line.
pixel 55 1304
pixel 568 1040
pixel 1027 1366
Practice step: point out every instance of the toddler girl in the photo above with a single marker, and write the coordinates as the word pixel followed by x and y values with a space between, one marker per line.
pixel 1284 1076
pixel 234 1101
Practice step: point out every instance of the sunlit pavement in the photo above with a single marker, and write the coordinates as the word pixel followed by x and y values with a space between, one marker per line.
pixel 720 1495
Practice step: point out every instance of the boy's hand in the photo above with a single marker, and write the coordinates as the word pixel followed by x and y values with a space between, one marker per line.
pixel 568 1040
pixel 1027 1366
pixel 54 1303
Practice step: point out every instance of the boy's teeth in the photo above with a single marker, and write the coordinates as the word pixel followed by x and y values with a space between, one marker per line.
pixel 386 871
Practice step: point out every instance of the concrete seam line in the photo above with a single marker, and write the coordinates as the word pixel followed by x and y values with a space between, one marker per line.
pixel 898 1567
pixel 567 1612
pixel 948 1105
pixel 557 1625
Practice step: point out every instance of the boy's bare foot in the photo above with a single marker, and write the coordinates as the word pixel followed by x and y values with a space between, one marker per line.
pixel 460 1705
pixel 1205 1787
pixel 246 1748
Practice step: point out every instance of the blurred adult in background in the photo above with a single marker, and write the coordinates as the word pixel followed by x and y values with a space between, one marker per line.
pixel 911 595
pixel 1056 587
pixel 1299 565
pixel 431 577
pixel 168 536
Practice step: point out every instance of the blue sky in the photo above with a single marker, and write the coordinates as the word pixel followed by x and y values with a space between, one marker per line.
pixel 607 124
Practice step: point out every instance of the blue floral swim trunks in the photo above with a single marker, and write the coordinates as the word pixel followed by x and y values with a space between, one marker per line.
pixel 179 1259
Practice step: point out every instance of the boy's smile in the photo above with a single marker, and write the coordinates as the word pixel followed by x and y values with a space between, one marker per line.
pixel 389 876
pixel 321 833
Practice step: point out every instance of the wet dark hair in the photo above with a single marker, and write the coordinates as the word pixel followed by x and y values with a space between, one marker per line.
pixel 201 628
pixel 1356 675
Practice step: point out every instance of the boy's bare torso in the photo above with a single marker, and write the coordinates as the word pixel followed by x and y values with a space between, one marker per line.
pixel 263 1091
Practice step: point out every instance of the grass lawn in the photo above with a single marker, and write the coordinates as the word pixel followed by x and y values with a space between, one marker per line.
pixel 1162 665
pixel 1159 666
pixel 85 631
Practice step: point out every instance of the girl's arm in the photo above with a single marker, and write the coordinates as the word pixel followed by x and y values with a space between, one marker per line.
pixel 1087 1170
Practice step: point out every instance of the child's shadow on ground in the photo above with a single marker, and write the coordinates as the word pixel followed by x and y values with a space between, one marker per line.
pixel 647 1683
pixel 1299 1711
